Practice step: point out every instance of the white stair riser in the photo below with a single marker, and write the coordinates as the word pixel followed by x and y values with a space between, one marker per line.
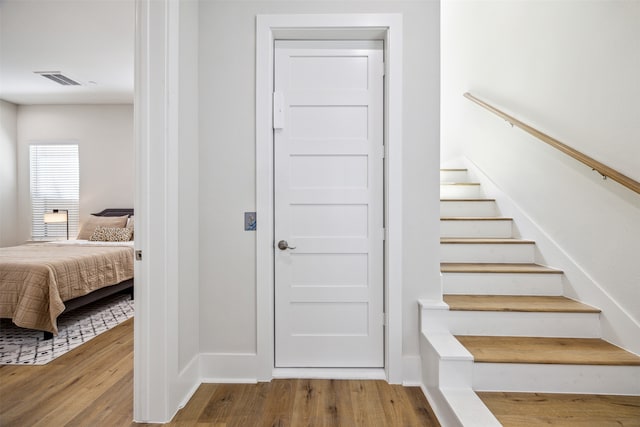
pixel 487 252
pixel 502 284
pixel 483 209
pixel 476 228
pixel 445 371
pixel 549 378
pixel 454 176
pixel 520 324
pixel 460 191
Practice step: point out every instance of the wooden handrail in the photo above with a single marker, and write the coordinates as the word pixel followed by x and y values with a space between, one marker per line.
pixel 595 165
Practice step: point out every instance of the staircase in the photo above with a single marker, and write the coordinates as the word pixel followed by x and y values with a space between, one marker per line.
pixel 504 324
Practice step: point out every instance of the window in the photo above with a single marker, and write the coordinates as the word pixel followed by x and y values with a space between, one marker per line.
pixel 55 184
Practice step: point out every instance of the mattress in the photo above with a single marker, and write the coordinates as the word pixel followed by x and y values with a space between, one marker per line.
pixel 36 279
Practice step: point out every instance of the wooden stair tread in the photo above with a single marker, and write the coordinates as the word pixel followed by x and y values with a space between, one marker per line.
pixel 539 350
pixel 474 218
pixel 562 409
pixel 460 267
pixel 543 304
pixel 485 240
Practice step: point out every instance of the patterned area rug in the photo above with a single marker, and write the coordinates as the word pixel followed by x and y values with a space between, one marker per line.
pixel 19 346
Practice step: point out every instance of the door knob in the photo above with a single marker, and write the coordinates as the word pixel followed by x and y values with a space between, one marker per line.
pixel 283 245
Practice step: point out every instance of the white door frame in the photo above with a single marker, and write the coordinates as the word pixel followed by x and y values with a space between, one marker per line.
pixel 387 27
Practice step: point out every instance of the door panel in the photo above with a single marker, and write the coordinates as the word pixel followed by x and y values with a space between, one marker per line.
pixel 328 205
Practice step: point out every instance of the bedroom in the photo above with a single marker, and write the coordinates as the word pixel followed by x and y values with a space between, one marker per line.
pixel 96 116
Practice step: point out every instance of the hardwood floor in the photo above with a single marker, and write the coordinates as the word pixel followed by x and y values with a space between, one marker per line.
pixel 93 386
pixel 303 402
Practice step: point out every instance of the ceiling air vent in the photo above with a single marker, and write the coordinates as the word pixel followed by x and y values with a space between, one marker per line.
pixel 58 78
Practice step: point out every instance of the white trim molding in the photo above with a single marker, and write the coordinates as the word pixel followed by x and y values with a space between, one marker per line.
pixel 160 384
pixel 387 27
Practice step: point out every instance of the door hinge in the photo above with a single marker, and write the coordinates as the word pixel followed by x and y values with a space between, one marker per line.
pixel 384 234
pixel 385 319
pixel 138 255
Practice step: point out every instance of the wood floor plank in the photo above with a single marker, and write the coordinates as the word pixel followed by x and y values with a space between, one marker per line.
pixel 278 407
pixel 424 412
pixel 191 412
pixel 583 351
pixel 517 303
pixel 533 409
pixel 33 393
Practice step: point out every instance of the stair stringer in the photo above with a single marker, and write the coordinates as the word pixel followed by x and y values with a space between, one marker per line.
pixel 617 326
pixel 447 374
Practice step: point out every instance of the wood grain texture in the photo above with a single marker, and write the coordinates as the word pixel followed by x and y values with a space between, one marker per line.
pixel 569 351
pixel 567 410
pixel 461 267
pixel 92 385
pixel 601 168
pixel 546 304
pixel 306 402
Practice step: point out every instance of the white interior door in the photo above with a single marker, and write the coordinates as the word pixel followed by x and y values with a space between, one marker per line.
pixel 328 136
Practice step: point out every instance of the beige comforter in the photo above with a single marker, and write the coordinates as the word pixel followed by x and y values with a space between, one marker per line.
pixel 36 279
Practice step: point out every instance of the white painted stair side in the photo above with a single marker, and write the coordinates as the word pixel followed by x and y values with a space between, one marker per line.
pixel 460 191
pixel 479 228
pixel 515 324
pixel 555 378
pixel 502 284
pixel 454 175
pixel 488 252
pixel 483 208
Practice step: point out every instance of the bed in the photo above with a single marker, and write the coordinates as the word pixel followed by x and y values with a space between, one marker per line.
pixel 40 281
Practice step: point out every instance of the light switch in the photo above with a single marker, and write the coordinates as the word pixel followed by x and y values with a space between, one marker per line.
pixel 249 221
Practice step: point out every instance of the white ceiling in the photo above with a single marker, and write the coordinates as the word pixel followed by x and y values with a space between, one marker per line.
pixel 89 41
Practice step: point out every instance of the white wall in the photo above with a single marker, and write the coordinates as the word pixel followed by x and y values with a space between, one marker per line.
pixel 227 162
pixel 8 174
pixel 105 137
pixel 571 69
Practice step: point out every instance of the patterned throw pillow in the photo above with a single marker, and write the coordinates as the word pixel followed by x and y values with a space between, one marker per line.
pixel 111 234
pixel 105 221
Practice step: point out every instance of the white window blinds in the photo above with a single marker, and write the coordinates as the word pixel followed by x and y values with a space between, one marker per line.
pixel 55 184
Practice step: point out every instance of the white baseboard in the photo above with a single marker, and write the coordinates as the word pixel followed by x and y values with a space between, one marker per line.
pixel 411 371
pixel 331 373
pixel 242 368
pixel 238 368
pixel 187 383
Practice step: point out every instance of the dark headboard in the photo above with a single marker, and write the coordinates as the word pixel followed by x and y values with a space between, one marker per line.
pixel 114 212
